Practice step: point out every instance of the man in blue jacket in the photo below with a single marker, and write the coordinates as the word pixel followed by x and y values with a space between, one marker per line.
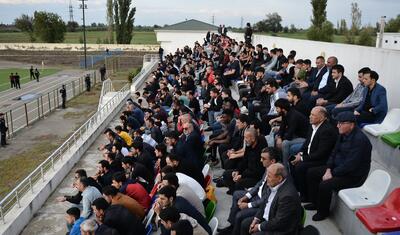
pixel 348 166
pixel 373 107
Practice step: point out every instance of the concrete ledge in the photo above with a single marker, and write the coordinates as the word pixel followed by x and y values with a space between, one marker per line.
pixel 77 47
pixel 18 218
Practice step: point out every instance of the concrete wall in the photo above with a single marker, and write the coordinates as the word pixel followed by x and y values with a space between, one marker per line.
pixel 76 47
pixel 390 41
pixel 171 40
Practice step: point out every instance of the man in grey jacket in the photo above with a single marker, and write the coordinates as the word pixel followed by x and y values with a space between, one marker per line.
pixel 89 194
pixel 246 203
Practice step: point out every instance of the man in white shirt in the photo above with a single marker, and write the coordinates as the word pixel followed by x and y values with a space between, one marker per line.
pixel 281 213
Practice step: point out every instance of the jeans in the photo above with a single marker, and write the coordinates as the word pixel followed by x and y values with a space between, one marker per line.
pixel 286 145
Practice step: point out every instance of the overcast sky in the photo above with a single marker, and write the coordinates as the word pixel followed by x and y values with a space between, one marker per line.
pixel 228 12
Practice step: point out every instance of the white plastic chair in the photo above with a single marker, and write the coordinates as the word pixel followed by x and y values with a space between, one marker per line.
pixel 371 193
pixel 213 225
pixel 206 170
pixel 390 124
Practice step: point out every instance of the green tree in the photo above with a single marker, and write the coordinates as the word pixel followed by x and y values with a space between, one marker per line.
pixel 271 24
pixel 293 29
pixel 393 25
pixel 25 24
pixel 123 19
pixel 72 26
pixel 49 26
pixel 321 29
pixel 365 37
pixel 355 24
pixel 343 27
pixel 110 21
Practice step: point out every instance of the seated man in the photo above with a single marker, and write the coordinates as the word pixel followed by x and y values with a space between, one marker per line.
pixel 167 198
pixel 373 107
pixel 315 151
pixel 245 203
pixel 74 221
pixel 354 99
pixel 292 130
pixel 250 169
pixel 341 89
pixel 347 167
pixel 116 217
pixel 170 216
pixel 185 167
pixel 281 210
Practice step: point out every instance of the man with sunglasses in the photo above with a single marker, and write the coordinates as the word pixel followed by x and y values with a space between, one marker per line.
pixel 348 166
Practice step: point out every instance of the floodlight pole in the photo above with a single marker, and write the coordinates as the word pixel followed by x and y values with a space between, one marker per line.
pixel 83 6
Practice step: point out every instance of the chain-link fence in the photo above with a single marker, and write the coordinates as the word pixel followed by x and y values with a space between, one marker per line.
pixel 43 104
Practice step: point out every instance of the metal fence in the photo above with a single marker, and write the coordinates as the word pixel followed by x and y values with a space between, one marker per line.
pixel 37 108
pixel 27 185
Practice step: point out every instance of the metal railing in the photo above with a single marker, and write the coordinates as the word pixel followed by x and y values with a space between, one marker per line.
pixel 27 185
pixel 150 58
pixel 34 109
pixel 149 62
pixel 105 88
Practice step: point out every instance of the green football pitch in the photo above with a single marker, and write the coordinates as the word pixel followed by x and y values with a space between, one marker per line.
pixel 23 73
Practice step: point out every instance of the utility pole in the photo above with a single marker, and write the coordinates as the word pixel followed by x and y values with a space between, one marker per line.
pixel 241 22
pixel 382 29
pixel 71 12
pixel 83 6
pixel 212 19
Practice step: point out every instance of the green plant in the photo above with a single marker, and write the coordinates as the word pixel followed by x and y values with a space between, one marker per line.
pixel 133 74
pixel 365 38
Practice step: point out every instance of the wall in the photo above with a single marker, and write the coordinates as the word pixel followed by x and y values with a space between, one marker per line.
pixel 76 47
pixel 171 40
pixel 352 57
pixel 390 41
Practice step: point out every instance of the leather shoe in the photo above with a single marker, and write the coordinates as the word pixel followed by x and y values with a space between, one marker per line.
pixel 226 230
pixel 220 183
pixel 319 217
pixel 310 207
pixel 229 192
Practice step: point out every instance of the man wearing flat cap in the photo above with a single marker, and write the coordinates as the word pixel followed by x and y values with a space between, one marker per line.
pixel 3 130
pixel 348 166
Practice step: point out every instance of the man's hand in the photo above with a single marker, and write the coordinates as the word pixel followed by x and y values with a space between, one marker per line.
pixel 371 110
pixel 278 142
pixel 339 105
pixel 321 101
pixel 243 205
pixel 254 226
pixel 327 175
pixel 296 160
pixel 237 178
pixel 314 93
pixel 61 199
pixel 234 173
pixel 356 113
pixel 101 147
pixel 157 207
pixel 243 199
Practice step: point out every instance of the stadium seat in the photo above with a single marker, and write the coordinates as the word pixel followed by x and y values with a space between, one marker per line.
pixel 206 170
pixel 389 125
pixel 371 193
pixel 210 210
pixel 382 218
pixel 392 233
pixel 392 139
pixel 213 225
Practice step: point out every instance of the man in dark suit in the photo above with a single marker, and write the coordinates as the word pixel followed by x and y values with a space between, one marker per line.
pixel 192 145
pixel 281 211
pixel 343 88
pixel 347 166
pixel 373 107
pixel 245 203
pixel 315 151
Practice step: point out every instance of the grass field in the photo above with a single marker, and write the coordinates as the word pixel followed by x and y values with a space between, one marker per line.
pixel 24 73
pixel 76 37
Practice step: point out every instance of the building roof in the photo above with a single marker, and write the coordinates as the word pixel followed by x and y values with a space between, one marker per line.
pixel 191 25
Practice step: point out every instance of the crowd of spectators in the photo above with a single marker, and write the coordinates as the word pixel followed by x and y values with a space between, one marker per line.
pixel 292 136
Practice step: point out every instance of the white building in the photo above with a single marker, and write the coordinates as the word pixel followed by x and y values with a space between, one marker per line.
pixel 389 41
pixel 183 33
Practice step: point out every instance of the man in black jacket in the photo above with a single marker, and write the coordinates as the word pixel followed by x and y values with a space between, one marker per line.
pixel 321 139
pixel 245 203
pixel 186 167
pixel 3 131
pixel 340 91
pixel 281 211
pixel 117 217
pixel 347 167
pixel 250 169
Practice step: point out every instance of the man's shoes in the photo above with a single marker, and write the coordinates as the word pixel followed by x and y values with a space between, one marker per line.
pixel 303 199
pixel 226 230
pixel 319 217
pixel 229 192
pixel 216 179
pixel 220 183
pixel 310 207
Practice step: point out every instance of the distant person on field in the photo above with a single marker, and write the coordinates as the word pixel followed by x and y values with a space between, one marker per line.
pixel 37 74
pixel 31 73
pixel 12 81
pixel 63 93
pixel 161 53
pixel 3 131
pixel 103 72
pixel 17 81
pixel 87 82
pixel 248 34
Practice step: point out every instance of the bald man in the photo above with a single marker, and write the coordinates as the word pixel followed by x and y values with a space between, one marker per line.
pixel 281 212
